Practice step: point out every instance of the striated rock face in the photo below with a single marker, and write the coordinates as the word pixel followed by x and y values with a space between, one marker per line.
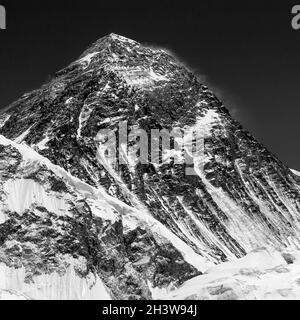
pixel 133 227
pixel 63 239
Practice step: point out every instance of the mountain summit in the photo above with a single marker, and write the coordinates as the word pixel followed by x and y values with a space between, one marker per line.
pixel 131 230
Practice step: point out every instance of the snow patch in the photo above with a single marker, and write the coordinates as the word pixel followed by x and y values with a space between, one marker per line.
pixel 21 194
pixel 43 144
pixel 261 275
pixel 3 120
pixel 86 61
pixel 69 286
pixel 141 78
pixel 297 173
pixel 23 136
pixel 83 118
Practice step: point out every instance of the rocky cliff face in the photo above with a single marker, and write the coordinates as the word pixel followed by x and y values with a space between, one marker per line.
pixel 126 222
pixel 61 238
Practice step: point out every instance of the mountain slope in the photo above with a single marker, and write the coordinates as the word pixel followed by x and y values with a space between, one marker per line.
pixel 241 197
pixel 261 275
pixel 63 239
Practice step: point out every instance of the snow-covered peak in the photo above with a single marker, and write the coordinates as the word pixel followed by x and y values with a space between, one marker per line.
pixel 140 66
pixel 148 223
pixel 114 36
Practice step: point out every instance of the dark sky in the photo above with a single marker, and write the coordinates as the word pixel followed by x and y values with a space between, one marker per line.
pixel 247 52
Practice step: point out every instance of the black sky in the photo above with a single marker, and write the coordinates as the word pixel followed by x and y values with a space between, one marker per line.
pixel 247 51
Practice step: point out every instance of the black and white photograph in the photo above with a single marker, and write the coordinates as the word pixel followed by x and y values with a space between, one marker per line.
pixel 149 152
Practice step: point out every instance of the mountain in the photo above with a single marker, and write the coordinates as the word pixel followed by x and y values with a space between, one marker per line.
pixel 124 229
pixel 64 239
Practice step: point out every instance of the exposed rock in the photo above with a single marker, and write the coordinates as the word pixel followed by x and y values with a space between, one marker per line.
pixel 241 199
